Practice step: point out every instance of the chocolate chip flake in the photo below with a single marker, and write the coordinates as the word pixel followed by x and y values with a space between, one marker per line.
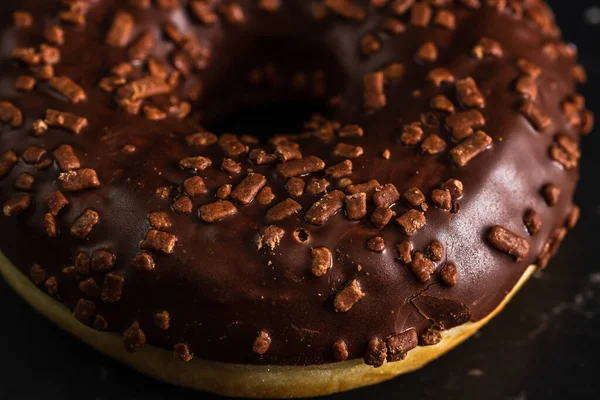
pixel 84 311
pixel 24 182
pixel 33 154
pixel 445 18
pixel 54 34
pixel 83 263
pixel 487 47
pixel 427 52
pixel 265 196
pixel 230 166
pixel 7 161
pixel 247 190
pixel 369 188
pixel 25 83
pixel 159 242
pixel 527 87
pixel 433 144
pixel 538 118
pixel 376 351
pixel 376 244
pixel 295 187
pixel 182 352
pixel 100 323
pixel 435 251
pixel 411 221
pixel 223 192
pixel 37 274
pixel 17 205
pixel 121 30
pixel 322 261
pixel 587 122
pixel 216 211
pixel 304 166
pixel 420 15
pixel 422 267
pixel 442 103
pixel 468 93
pixel 204 12
pixel 162 320
pixel 347 9
pixel 51 286
pixel 27 55
pixel 141 48
pixel 68 88
pixel 143 262
pixel 261 343
pixel 374 95
pixel 356 206
pixel 66 158
pixel 462 124
pixel 412 134
pixel 231 145
pixel 68 121
pixel 79 179
pixel 134 338
pixel 381 217
pixel 565 151
pixel 532 221
pixel 393 26
pixel 455 187
pixel 369 44
pixel 573 217
pixel 339 170
pixel 414 196
pixel 347 150
pixel 50 225
pixel 449 274
pixel 386 196
pixel 400 344
pixel 442 199
pixel 348 297
pixel 351 131
pixel 469 148
pixel 194 186
pixel 325 208
pixel 431 336
pixel 22 19
pixel 11 114
pixel 551 193
pixel 201 139
pixel 182 205
pixel 404 249
pixel 89 288
pixel 102 261
pixel 112 288
pixel 340 350
pixel 508 242
pixel 197 163
pixel 287 151
pixel 143 88
pixel 270 236
pixel 440 76
pixel 283 210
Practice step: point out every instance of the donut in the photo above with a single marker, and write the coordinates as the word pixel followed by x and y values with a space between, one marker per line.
pixel 282 198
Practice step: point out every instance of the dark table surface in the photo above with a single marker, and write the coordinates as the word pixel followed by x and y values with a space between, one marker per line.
pixel 545 345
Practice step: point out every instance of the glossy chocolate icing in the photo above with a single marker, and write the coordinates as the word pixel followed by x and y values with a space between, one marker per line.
pixel 219 290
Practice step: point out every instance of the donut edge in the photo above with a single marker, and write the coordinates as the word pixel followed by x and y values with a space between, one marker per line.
pixel 235 380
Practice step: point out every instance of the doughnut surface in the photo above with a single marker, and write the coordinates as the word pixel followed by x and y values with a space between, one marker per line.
pixel 271 251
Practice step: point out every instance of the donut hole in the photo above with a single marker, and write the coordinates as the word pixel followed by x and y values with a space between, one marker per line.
pixel 301 235
pixel 271 86
pixel 267 119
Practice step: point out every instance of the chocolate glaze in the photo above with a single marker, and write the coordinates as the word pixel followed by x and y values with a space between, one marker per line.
pixel 219 290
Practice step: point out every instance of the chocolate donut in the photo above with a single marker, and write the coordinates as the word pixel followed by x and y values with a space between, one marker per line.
pixel 282 197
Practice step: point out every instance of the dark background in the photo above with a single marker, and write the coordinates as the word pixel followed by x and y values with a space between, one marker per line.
pixel 545 345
